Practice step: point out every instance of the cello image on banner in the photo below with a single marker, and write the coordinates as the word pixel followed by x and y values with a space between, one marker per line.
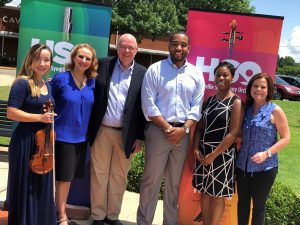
pixel 232 37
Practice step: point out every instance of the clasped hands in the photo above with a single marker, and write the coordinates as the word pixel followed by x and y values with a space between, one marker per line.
pixel 174 135
pixel 204 160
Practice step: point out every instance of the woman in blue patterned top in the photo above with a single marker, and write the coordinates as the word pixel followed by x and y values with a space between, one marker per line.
pixel 257 160
pixel 73 92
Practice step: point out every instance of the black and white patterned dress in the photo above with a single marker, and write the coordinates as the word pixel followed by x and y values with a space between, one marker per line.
pixel 216 179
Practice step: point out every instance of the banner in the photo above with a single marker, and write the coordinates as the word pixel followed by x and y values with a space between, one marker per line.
pixel 61 24
pixel 250 42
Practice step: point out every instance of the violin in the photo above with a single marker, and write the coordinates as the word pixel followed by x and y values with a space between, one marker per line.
pixel 42 161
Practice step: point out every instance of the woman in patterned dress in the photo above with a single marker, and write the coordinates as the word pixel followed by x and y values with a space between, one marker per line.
pixel 257 160
pixel 214 146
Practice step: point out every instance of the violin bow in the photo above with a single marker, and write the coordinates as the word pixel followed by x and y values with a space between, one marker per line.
pixel 53 154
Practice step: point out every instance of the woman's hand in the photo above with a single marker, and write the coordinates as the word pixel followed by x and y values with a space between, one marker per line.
pixel 198 155
pixel 259 157
pixel 208 159
pixel 47 117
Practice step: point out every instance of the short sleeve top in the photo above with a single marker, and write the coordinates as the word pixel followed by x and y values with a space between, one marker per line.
pixel 20 97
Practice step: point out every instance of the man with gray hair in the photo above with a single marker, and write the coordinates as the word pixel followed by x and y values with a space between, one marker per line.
pixel 116 129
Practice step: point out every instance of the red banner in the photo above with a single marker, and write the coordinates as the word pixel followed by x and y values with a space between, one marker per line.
pixel 250 42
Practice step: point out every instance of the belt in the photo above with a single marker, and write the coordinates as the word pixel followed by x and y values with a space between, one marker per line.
pixel 176 124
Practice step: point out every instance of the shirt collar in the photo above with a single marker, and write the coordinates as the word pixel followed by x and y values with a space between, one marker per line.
pixel 172 64
pixel 122 68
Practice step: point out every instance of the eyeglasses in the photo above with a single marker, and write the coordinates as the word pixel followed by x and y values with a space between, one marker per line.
pixel 84 57
pixel 129 48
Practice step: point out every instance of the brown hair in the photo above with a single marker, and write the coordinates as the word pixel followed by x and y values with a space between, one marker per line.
pixel 26 71
pixel 90 72
pixel 249 99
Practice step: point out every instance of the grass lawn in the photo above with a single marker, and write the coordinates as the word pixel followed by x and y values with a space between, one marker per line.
pixel 289 160
pixel 4 92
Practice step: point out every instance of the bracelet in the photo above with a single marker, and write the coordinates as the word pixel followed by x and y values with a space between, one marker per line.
pixel 269 153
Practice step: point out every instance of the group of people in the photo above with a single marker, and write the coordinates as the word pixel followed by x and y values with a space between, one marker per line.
pixel 116 106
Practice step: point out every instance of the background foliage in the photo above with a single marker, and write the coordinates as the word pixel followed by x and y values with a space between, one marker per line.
pixel 155 18
pixel 3 2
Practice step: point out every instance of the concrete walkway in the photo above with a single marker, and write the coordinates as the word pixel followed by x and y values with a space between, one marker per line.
pixel 129 207
pixel 7 75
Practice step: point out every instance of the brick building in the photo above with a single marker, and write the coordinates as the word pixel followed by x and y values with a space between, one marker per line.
pixel 9 32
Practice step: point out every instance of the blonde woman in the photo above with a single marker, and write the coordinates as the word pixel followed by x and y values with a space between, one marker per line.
pixel 73 92
pixel 30 194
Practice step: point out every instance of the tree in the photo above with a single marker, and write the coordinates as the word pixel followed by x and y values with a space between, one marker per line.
pixel 285 61
pixel 3 2
pixel 224 5
pixel 156 17
pixel 145 17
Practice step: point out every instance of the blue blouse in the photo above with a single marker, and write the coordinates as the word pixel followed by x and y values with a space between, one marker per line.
pixel 259 134
pixel 73 107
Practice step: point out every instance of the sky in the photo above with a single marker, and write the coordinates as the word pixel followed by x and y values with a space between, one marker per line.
pixel 290 34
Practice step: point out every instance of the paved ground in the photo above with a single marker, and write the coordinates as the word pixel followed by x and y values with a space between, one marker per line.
pixel 130 201
pixel 7 75
pixel 129 207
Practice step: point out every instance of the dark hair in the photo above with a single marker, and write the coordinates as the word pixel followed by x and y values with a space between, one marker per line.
pixel 227 65
pixel 179 32
pixel 249 99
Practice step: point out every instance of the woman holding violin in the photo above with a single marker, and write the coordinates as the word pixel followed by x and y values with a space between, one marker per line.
pixel 73 92
pixel 30 194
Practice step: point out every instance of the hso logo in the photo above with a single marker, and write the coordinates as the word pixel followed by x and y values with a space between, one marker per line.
pixel 245 69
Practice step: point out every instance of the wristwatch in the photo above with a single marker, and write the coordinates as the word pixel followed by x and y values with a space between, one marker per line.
pixel 269 153
pixel 186 129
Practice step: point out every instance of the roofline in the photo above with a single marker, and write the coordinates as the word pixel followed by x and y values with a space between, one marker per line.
pixel 145 51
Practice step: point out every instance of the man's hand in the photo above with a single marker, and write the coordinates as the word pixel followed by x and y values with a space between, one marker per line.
pixel 137 146
pixel 174 134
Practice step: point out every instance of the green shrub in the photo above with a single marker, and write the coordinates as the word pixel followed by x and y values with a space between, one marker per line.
pixel 283 206
pixel 135 174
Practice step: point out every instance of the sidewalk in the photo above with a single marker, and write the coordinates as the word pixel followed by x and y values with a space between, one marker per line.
pixel 128 211
pixel 7 75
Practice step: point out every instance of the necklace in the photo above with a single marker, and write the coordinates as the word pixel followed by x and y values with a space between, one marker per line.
pixel 81 83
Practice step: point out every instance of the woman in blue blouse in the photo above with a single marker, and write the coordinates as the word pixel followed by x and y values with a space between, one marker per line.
pixel 257 160
pixel 73 92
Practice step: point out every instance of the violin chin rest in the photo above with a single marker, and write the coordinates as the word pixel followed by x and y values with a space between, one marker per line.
pixel 38 169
